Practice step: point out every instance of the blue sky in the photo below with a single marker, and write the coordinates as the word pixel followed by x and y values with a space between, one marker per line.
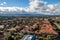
pixel 30 6
pixel 24 3
pixel 52 1
pixel 17 3
pixel 11 3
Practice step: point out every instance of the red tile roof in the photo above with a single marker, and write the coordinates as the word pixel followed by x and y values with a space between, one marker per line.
pixel 47 29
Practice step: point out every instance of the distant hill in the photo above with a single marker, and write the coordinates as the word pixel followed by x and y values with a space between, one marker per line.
pixel 25 14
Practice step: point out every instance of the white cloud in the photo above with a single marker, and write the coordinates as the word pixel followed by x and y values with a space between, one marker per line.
pixel 3 3
pixel 37 6
pixel 43 8
pixel 10 9
pixel 51 6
